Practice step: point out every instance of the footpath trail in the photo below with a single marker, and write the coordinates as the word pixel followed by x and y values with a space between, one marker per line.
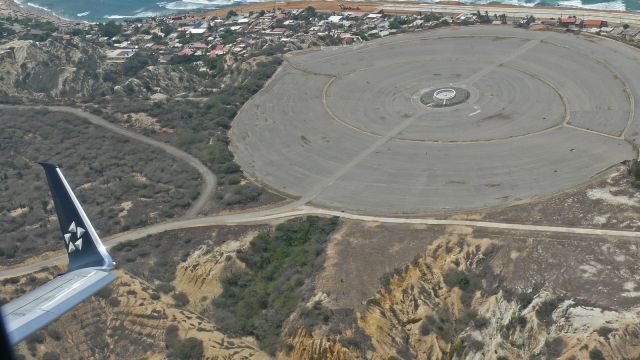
pixel 297 209
pixel 209 180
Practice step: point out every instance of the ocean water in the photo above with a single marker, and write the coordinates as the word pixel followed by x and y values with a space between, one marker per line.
pixel 102 10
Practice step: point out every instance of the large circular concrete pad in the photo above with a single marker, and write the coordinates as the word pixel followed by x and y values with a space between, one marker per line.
pixel 353 128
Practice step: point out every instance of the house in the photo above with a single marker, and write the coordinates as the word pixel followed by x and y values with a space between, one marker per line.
pixel 568 21
pixel 121 54
pixel 335 19
pixel 346 38
pixel 219 50
pixel 198 46
pixel 197 31
pixel 592 23
pixel 185 52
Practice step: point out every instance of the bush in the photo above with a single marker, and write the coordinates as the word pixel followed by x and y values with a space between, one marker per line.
pixel 634 169
pixel 138 61
pixel 545 311
pixel 37 337
pixel 517 321
pixel 181 299
pixel 51 355
pixel 171 334
pixel 596 354
pixel 54 334
pixel 233 180
pixel 189 349
pixel 164 288
pixel 467 282
pixel 113 302
pixel 524 300
pixel 553 348
pixel 257 301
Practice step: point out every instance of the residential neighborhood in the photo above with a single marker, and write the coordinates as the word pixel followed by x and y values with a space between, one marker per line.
pixel 210 42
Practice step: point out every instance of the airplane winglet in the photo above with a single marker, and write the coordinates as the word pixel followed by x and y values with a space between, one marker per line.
pixel 89 267
pixel 81 241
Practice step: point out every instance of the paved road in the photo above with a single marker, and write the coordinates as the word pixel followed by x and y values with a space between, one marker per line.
pixel 332 166
pixel 208 177
pixel 613 17
pixel 296 209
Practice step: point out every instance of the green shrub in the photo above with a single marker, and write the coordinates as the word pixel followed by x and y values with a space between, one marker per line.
pixel 257 301
pixel 233 180
pixel 37 337
pixel 524 300
pixel 516 321
pixel 164 288
pixel 189 349
pixel 54 334
pixel 596 354
pixel 51 355
pixel 181 299
pixel 138 61
pixel 113 302
pixel 553 348
pixel 545 311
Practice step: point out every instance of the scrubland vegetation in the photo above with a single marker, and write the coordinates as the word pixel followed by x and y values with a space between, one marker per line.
pixel 257 301
pixel 200 127
pixel 121 183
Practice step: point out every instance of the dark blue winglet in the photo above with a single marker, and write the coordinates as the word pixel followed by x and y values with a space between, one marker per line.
pixel 80 239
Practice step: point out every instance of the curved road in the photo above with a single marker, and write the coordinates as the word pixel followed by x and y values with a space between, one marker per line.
pixel 208 177
pixel 293 209
pixel 296 209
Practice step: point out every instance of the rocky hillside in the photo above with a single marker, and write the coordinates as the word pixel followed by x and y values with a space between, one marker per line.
pixel 469 294
pixel 477 297
pixel 53 71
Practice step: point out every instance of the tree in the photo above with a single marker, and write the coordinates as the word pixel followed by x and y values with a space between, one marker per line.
pixel 311 11
pixel 167 29
pixel 231 14
pixel 110 29
pixel 189 349
pixel 137 62
pixel 156 38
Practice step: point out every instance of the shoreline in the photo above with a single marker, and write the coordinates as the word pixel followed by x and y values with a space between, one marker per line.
pixel 15 8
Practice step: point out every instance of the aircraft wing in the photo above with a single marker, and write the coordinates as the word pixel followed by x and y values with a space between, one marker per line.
pixel 34 310
pixel 89 267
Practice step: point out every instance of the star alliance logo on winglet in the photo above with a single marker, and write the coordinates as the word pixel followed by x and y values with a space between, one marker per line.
pixel 73 245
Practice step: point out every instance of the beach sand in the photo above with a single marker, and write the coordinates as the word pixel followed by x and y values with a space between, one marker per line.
pixel 11 8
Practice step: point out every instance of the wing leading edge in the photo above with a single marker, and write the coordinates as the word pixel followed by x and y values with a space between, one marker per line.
pixel 89 267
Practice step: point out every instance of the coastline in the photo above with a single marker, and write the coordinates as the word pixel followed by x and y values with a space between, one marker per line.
pixel 15 9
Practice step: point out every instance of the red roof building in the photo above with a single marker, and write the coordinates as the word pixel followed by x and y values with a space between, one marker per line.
pixel 568 21
pixel 198 45
pixel 185 52
pixel 594 23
